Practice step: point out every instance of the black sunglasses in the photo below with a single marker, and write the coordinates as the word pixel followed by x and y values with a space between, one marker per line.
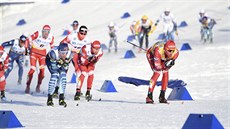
pixel 170 51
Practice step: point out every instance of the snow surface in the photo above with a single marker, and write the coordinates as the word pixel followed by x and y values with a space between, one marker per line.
pixel 205 68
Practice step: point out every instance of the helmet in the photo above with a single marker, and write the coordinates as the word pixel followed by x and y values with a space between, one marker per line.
pixel 202 11
pixel 111 24
pixel 144 17
pixel 169 45
pixel 63 47
pixel 26 34
pixel 167 10
pixel 134 23
pixel 83 28
pixel 204 18
pixel 96 44
pixel 1 49
pixel 75 22
pixel 46 27
pixel 23 38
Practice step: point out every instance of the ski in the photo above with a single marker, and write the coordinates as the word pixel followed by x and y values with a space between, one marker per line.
pixel 88 97
pixel 38 94
pixel 6 101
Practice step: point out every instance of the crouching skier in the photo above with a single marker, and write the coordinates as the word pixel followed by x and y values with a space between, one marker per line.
pixel 161 58
pixel 57 61
pixel 4 60
pixel 88 57
pixel 16 53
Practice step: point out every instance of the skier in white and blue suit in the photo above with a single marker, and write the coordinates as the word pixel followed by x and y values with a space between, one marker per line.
pixel 57 61
pixel 16 53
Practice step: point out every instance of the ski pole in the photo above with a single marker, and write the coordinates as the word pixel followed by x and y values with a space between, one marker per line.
pixel 135 45
pixel 178 38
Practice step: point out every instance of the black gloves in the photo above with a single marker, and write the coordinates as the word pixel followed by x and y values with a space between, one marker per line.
pixel 27 52
pixel 92 59
pixel 63 63
pixel 156 22
pixel 169 63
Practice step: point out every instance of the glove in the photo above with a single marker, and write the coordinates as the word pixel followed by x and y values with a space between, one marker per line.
pixel 60 62
pixel 152 30
pixel 92 59
pixel 156 22
pixel 169 63
pixel 67 60
pixel 65 66
pixel 27 52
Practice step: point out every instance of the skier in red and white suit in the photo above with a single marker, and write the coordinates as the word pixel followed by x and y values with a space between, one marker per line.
pixel 161 58
pixel 4 62
pixel 38 43
pixel 88 57
pixel 76 41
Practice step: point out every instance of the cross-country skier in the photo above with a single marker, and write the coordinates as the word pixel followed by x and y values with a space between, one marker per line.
pixel 207 26
pixel 161 58
pixel 145 28
pixel 57 61
pixel 38 43
pixel 202 14
pixel 169 25
pixel 74 27
pixel 75 42
pixel 16 53
pixel 88 57
pixel 112 35
pixel 4 60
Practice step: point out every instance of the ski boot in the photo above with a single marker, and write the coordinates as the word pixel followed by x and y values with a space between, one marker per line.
pixel 38 88
pixel 29 79
pixel 88 97
pixel 50 100
pixel 162 97
pixel 149 98
pixel 77 96
pixel 19 81
pixel 3 97
pixel 211 40
pixel 27 91
pixel 55 94
pixel 61 100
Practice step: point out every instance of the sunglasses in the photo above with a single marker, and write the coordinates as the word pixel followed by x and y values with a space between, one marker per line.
pixel 47 31
pixel 166 12
pixel 64 52
pixel 75 24
pixel 23 41
pixel 82 33
pixel 170 51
